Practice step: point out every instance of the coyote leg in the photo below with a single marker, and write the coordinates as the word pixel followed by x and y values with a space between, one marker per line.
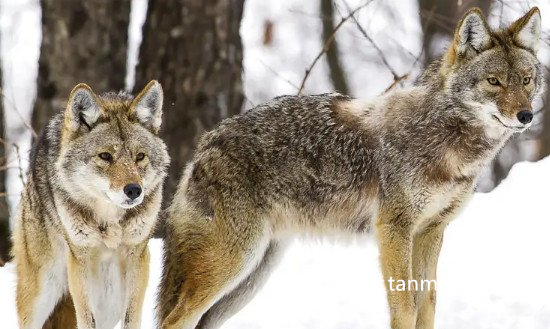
pixel 136 284
pixel 427 245
pixel 395 257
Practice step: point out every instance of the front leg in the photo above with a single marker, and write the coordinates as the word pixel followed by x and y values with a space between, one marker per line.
pixel 137 275
pixel 78 277
pixel 427 245
pixel 395 242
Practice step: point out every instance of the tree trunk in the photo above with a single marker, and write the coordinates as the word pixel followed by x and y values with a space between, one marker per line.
pixel 439 18
pixel 335 68
pixel 82 41
pixel 5 242
pixel 544 136
pixel 193 48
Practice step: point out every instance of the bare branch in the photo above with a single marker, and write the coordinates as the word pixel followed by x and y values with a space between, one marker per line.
pixel 328 43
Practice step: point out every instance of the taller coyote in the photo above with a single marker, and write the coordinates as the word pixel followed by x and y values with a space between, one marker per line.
pixel 92 198
pixel 400 165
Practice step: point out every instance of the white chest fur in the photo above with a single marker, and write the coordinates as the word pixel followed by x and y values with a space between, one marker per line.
pixel 107 289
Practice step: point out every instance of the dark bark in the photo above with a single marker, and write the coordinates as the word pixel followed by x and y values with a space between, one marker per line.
pixel 335 68
pixel 5 242
pixel 439 18
pixel 193 48
pixel 544 136
pixel 82 41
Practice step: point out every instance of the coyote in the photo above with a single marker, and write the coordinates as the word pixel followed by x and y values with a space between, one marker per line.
pixel 91 201
pixel 400 165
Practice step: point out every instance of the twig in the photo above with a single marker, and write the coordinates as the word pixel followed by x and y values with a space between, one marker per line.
pixel 25 123
pixel 328 43
pixel 374 45
pixel 278 75
pixel 396 80
pixel 18 156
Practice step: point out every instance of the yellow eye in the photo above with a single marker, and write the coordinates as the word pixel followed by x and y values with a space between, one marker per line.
pixel 140 156
pixel 106 156
pixel 526 80
pixel 493 81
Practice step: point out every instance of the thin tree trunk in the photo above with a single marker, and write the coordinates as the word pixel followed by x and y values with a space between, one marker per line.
pixel 544 136
pixel 194 49
pixel 82 41
pixel 336 72
pixel 5 242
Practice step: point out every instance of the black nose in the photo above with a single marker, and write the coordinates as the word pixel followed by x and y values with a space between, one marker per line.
pixel 525 116
pixel 132 190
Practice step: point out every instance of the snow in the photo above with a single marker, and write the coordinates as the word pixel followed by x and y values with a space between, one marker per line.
pixel 493 271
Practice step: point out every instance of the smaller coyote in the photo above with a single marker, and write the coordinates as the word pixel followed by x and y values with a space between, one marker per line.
pixel 400 165
pixel 91 201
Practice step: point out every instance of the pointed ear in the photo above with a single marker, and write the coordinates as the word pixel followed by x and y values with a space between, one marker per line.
pixel 82 108
pixel 472 35
pixel 526 30
pixel 147 106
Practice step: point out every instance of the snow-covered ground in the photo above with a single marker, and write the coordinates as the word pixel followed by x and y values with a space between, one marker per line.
pixel 493 272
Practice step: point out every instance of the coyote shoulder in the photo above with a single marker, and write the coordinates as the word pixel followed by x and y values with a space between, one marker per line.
pixel 91 201
pixel 400 165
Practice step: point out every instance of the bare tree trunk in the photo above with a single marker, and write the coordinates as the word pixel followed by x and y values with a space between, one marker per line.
pixel 5 242
pixel 439 18
pixel 544 136
pixel 336 72
pixel 82 41
pixel 194 49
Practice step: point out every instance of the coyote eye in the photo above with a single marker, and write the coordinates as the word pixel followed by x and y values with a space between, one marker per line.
pixel 106 156
pixel 526 80
pixel 140 156
pixel 493 81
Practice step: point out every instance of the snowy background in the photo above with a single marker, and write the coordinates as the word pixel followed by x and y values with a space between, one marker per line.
pixel 494 266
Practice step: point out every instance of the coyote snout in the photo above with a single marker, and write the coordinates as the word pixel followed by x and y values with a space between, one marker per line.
pixel 514 103
pixel 130 196
pixel 133 191
pixel 525 116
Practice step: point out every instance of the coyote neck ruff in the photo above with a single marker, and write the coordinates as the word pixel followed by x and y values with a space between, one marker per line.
pixel 92 198
pixel 400 165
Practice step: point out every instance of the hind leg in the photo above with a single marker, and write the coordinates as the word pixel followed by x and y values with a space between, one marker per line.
pixel 203 262
pixel 234 301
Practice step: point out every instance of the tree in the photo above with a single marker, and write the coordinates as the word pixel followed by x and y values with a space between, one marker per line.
pixel 545 130
pixel 5 244
pixel 194 49
pixel 337 74
pixel 82 41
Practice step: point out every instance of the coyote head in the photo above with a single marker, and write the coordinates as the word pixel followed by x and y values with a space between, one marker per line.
pixel 109 148
pixel 495 74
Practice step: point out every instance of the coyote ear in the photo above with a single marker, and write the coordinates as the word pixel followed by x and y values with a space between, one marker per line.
pixel 472 34
pixel 526 30
pixel 147 106
pixel 82 108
